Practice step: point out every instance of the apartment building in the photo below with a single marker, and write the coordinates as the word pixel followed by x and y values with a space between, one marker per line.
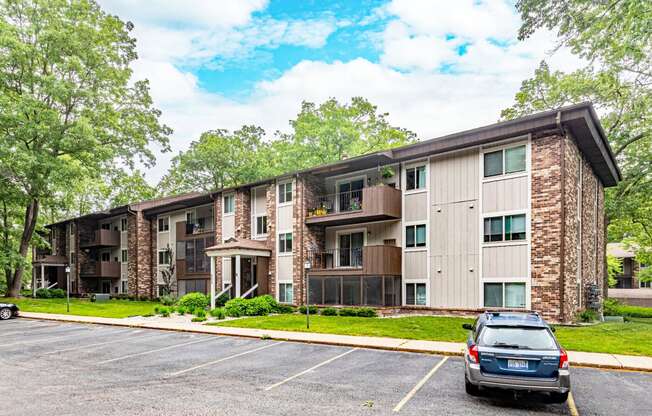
pixel 509 215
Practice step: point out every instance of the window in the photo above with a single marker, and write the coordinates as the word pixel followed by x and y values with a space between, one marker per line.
pixel 285 243
pixel 193 251
pixel 123 224
pixel 504 295
pixel 229 204
pixel 106 226
pixel 124 255
pixel 163 224
pixel 285 192
pixel 528 338
pixel 415 294
pixel 261 225
pixel 163 257
pixel 415 178
pixel 105 256
pixel 415 235
pixel 514 228
pixel 72 257
pixel 124 286
pixel 285 294
pixel 509 160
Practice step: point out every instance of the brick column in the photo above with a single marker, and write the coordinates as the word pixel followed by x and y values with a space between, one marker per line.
pixel 139 265
pixel 242 214
pixel 217 213
pixel 271 237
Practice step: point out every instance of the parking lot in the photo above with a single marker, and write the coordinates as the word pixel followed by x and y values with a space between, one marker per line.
pixel 75 369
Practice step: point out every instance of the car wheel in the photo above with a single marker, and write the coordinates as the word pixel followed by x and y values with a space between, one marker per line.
pixel 558 397
pixel 471 389
pixel 5 313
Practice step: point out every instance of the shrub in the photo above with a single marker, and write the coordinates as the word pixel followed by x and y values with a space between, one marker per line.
pixel 222 299
pixel 43 293
pixel 614 308
pixel 57 293
pixel 200 313
pixel 218 313
pixel 611 307
pixel 235 307
pixel 348 312
pixel 157 309
pixel 168 300
pixel 366 312
pixel 164 311
pixel 282 308
pixel 198 319
pixel 260 305
pixel 181 310
pixel 194 300
pixel 587 315
pixel 313 310
pixel 329 312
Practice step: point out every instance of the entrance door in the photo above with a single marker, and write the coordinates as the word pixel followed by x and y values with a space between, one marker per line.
pixel 106 286
pixel 351 249
pixel 350 195
pixel 248 271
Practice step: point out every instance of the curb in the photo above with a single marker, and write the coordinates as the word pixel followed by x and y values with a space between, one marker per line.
pixel 296 337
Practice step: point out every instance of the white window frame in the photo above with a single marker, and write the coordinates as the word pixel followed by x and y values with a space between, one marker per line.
pixel 278 291
pixel 158 224
pixel 224 196
pixel 416 281
pixel 124 255
pixel 124 225
pixel 278 192
pixel 504 242
pixel 72 259
pixel 158 259
pixel 284 253
pixel 413 224
pixel 512 144
pixel 503 280
pixel 413 165
pixel 425 172
pixel 124 286
pixel 255 226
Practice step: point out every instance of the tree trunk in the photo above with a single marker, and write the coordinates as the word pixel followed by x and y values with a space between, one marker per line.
pixel 31 216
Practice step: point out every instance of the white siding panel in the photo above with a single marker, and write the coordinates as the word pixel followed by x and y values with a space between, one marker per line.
pixel 505 195
pixel 454 177
pixel 228 227
pixel 416 264
pixel 416 207
pixel 284 218
pixel 505 261
pixel 284 268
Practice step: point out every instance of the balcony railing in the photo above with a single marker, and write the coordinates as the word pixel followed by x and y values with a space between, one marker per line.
pixel 367 260
pixel 95 268
pixel 368 204
pixel 185 229
pixel 100 238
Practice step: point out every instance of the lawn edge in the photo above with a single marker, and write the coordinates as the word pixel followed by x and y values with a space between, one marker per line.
pixel 318 338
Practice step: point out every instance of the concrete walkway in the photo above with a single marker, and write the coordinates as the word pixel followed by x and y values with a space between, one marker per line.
pixel 182 323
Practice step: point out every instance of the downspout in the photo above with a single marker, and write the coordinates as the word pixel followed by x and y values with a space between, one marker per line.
pixel 562 245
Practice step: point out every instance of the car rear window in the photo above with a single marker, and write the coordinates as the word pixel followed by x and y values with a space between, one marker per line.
pixel 517 337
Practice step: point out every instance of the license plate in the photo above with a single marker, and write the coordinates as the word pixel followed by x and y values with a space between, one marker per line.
pixel 517 364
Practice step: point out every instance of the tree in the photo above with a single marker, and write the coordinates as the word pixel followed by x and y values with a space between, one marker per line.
pixel 125 188
pixel 68 108
pixel 614 36
pixel 333 131
pixel 220 159
pixel 614 268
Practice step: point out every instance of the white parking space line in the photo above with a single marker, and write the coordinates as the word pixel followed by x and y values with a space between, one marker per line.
pixel 169 347
pixel 46 340
pixel 419 385
pixel 330 360
pixel 223 359
pixel 99 344
pixel 31 330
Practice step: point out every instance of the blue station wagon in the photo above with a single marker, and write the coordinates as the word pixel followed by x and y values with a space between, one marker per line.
pixel 515 351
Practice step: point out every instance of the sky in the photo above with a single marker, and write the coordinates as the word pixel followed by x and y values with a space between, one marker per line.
pixel 436 66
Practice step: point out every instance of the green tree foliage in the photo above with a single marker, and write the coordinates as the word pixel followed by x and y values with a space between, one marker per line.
pixel 614 268
pixel 67 106
pixel 219 159
pixel 615 37
pixel 320 134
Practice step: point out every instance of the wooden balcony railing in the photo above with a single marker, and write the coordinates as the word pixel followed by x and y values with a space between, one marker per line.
pixel 379 260
pixel 101 238
pixel 107 269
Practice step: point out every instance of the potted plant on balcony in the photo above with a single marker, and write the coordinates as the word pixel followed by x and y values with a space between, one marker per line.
pixel 355 204
pixel 387 172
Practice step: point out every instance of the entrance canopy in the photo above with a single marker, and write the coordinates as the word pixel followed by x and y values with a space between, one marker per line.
pixel 242 247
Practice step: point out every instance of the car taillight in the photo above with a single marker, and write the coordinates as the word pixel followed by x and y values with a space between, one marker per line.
pixel 473 354
pixel 563 359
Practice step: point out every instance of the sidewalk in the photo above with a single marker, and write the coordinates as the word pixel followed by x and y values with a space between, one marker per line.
pixel 577 358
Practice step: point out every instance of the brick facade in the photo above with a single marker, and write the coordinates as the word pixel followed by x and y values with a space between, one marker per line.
pixel 139 265
pixel 242 213
pixel 271 237
pixel 217 213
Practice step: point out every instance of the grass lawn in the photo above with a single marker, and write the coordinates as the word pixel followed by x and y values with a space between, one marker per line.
pixel 632 338
pixel 110 309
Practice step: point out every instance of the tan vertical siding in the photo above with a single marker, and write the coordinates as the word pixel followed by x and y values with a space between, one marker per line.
pixel 416 207
pixel 454 230
pixel 416 264
pixel 505 195
pixel 505 261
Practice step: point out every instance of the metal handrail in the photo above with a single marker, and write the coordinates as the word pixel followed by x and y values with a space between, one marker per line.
pixel 250 291
pixel 336 258
pixel 52 285
pixel 226 289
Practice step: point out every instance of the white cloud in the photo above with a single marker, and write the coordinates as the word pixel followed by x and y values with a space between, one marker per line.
pixel 407 81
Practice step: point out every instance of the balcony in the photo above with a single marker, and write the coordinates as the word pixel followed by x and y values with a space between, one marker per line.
pixel 369 260
pixel 374 203
pixel 203 226
pixel 106 269
pixel 100 238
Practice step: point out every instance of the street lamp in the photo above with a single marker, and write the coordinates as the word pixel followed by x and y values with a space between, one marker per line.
pixel 68 288
pixel 307 267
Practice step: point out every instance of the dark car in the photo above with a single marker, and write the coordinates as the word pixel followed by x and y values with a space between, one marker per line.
pixel 7 310
pixel 515 351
